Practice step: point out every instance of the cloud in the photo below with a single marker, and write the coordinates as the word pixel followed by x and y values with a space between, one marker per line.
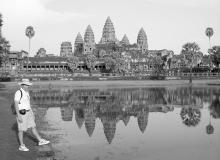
pixel 18 14
pixel 186 3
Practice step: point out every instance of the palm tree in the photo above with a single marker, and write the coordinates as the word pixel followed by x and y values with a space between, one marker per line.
pixel 209 32
pixel 29 32
pixel 192 56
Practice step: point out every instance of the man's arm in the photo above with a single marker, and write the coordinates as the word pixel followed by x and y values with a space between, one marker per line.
pixel 17 111
pixel 16 102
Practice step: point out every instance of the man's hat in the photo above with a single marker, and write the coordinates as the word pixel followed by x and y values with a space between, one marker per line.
pixel 25 82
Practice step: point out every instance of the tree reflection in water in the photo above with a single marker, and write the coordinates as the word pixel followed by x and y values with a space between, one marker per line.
pixel 214 112
pixel 215 106
pixel 209 129
pixel 190 116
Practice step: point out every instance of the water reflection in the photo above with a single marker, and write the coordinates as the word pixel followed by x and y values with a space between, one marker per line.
pixel 214 111
pixel 190 116
pixel 215 105
pixel 114 105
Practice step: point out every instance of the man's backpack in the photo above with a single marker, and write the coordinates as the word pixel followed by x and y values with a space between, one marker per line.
pixel 13 110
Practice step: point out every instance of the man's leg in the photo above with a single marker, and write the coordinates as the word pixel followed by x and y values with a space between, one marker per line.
pixel 20 138
pixel 41 140
pixel 32 125
pixel 36 134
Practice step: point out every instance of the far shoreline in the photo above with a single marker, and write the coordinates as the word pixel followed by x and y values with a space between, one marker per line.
pixel 118 83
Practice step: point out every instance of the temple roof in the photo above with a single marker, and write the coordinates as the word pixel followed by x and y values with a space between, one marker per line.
pixel 142 37
pixel 54 59
pixel 89 35
pixel 79 39
pixel 108 33
pixel 66 43
pixel 125 40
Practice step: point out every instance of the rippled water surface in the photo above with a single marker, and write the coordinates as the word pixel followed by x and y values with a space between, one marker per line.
pixel 178 123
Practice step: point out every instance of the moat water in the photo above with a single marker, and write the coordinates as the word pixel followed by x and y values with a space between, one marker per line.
pixel 172 123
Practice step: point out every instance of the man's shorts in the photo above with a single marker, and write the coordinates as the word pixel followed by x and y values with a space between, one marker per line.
pixel 27 121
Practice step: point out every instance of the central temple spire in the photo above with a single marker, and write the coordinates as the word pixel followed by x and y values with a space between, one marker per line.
pixel 142 40
pixel 108 33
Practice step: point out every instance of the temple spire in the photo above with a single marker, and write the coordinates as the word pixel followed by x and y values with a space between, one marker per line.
pixel 108 33
pixel 79 39
pixel 125 40
pixel 89 40
pixel 142 40
pixel 78 45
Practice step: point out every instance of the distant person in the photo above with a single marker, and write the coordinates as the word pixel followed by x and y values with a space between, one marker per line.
pixel 24 115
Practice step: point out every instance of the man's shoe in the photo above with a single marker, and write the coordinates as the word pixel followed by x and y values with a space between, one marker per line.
pixel 43 142
pixel 23 148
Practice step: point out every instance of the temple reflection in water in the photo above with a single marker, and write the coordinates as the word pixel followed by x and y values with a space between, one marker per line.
pixel 114 105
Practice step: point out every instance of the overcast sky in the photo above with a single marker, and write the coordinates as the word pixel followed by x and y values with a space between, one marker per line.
pixel 168 23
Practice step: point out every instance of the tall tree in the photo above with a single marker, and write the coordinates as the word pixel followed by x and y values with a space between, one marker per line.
pixel 91 62
pixel 192 56
pixel 109 63
pixel 215 55
pixel 120 65
pixel 73 63
pixel 158 64
pixel 4 50
pixel 209 33
pixel 29 32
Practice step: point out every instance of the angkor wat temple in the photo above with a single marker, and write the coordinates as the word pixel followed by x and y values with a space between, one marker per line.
pixel 86 57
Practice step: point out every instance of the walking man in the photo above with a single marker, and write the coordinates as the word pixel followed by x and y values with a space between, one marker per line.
pixel 24 115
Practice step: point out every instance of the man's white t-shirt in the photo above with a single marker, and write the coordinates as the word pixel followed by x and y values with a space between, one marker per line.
pixel 24 101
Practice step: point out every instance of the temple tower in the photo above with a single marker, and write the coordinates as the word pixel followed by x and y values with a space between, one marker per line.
pixel 142 119
pixel 89 40
pixel 125 40
pixel 78 45
pixel 41 53
pixel 142 40
pixel 108 33
pixel 66 49
pixel 79 117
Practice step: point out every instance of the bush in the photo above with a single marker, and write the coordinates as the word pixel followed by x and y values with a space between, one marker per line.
pixel 5 79
pixel 157 77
